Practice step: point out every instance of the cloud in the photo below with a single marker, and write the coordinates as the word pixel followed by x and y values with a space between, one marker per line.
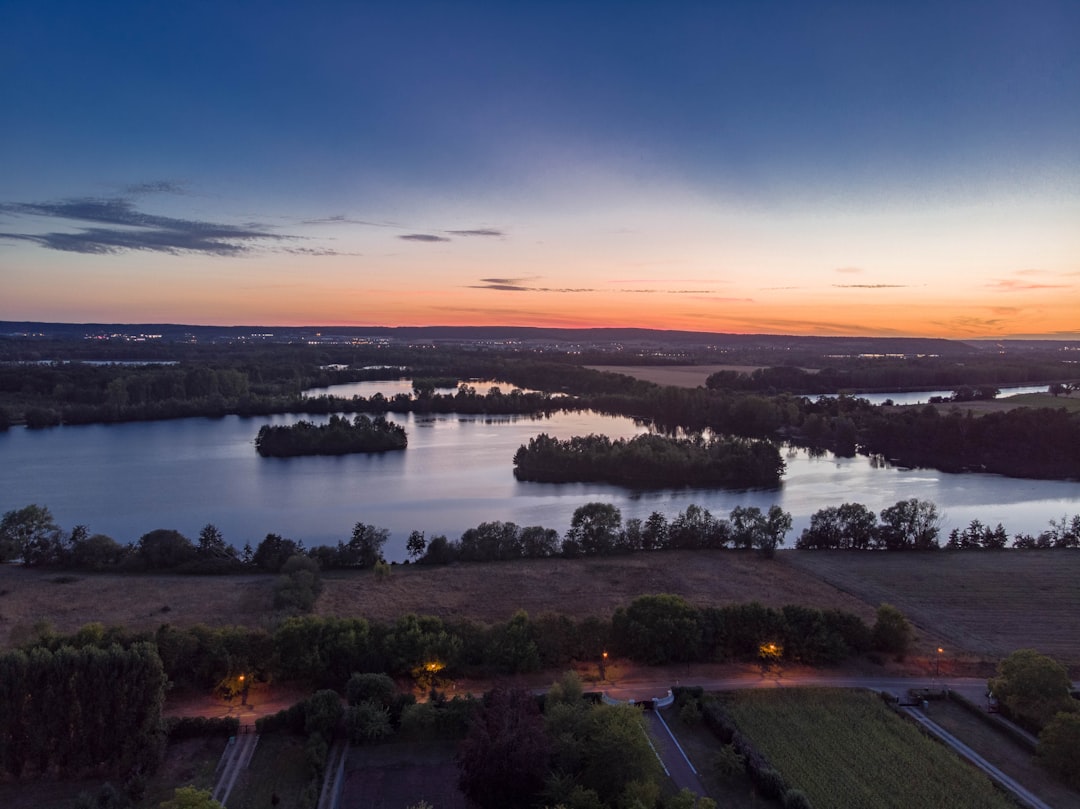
pixel 1012 285
pixel 477 232
pixel 316 251
pixel 768 325
pixel 871 286
pixel 974 326
pixel 521 285
pixel 339 219
pixel 423 237
pixel 849 270
pixel 118 227
pixel 156 187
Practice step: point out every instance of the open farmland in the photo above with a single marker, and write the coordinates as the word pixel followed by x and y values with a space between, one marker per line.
pixel 493 591
pixel 974 603
pixel 845 748
pixel 990 603
pixel 486 592
pixel 681 376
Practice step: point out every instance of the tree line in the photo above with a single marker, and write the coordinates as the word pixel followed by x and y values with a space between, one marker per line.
pixel 324 651
pixel 596 529
pixel 651 460
pixel 337 437
pixel 880 374
pixel 915 525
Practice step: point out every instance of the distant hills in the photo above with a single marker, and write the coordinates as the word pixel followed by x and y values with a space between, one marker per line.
pixel 586 338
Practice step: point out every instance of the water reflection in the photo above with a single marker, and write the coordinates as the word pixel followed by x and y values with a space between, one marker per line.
pixel 125 480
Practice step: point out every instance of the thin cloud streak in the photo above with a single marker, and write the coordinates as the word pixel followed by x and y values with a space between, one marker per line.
pixel 477 232
pixel 423 237
pixel 129 229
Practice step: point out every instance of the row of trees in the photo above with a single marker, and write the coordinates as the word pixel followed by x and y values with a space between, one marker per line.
pixel 651 460
pixel 597 529
pixel 32 535
pixel 325 651
pixel 339 436
pixel 915 525
pixel 890 375
pixel 69 710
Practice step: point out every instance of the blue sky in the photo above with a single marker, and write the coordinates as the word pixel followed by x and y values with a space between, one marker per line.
pixel 796 167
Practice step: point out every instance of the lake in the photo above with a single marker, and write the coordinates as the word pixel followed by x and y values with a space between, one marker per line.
pixel 127 479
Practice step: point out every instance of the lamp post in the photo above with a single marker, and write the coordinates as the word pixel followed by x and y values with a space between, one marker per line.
pixel 937 663
pixel 603 665
pixel 243 691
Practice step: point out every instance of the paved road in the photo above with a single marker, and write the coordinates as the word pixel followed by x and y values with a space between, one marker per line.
pixel 671 754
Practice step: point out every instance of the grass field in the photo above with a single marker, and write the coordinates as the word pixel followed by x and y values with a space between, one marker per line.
pixel 846 748
pixel 700 745
pixel 681 376
pixel 276 768
pixel 1036 400
pixel 483 591
pixel 399 775
pixel 999 749
pixel 989 603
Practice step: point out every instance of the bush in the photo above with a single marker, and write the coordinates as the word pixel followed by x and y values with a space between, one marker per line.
pixel 892 633
pixel 728 763
pixel 770 783
pixel 368 721
pixel 190 727
pixel 1059 744
pixel 796 799
pixel 371 687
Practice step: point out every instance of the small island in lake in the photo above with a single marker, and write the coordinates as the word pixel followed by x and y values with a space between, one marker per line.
pixel 338 437
pixel 651 461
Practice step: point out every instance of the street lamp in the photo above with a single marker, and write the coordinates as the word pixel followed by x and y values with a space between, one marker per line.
pixel 243 691
pixel 937 662
pixel 603 664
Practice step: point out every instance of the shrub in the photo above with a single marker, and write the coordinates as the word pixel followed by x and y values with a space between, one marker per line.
pixel 190 727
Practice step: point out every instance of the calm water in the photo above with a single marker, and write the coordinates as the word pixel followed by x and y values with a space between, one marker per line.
pixel 124 480
pixel 923 396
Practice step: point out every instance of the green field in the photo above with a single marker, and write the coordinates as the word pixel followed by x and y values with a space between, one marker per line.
pixel 846 748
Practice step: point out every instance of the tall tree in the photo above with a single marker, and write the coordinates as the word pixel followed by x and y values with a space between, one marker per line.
pixel 1032 686
pixel 32 534
pixel 504 759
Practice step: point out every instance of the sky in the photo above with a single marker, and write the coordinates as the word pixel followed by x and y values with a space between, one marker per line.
pixel 815 168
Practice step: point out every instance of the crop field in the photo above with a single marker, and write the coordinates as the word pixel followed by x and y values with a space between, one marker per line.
pixel 846 748
pixel 986 603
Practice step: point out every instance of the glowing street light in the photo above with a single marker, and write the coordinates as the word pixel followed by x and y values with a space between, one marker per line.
pixel 603 665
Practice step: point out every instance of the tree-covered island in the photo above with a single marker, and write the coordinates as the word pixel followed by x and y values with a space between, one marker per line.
pixel 338 437
pixel 650 461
